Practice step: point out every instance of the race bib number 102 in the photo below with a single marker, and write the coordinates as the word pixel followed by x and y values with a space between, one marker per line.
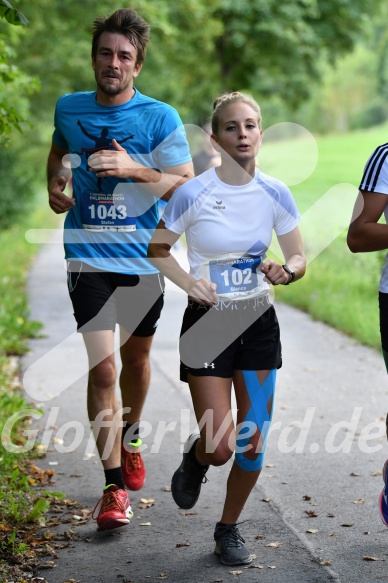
pixel 105 212
pixel 237 277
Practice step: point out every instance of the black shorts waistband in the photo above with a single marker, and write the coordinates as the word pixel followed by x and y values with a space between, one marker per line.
pixel 256 303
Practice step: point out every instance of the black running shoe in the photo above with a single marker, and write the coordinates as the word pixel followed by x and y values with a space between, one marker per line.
pixel 230 545
pixel 187 480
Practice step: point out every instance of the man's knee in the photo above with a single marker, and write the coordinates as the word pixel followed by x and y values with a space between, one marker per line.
pixel 103 375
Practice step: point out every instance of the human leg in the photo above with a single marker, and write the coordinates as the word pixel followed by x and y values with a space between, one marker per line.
pixel 383 311
pixel 213 446
pixel 254 395
pixel 256 416
pixel 137 327
pixel 134 383
pixel 114 508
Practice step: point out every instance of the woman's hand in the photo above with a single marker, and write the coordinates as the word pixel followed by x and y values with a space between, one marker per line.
pixel 203 291
pixel 274 273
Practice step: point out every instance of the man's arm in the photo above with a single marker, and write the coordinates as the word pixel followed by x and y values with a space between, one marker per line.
pixel 202 290
pixel 57 178
pixel 119 163
pixel 365 232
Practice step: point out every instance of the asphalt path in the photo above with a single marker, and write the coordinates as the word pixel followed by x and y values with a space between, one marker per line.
pixel 313 516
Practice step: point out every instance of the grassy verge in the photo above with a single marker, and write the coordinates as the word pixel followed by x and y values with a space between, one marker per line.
pixel 339 288
pixel 23 502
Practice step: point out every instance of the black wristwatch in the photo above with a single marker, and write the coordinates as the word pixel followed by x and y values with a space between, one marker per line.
pixel 290 272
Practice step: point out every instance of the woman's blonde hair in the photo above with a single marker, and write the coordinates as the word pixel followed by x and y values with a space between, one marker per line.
pixel 229 98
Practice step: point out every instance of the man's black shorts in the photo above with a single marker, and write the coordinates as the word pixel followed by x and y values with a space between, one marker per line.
pixel 204 344
pixel 383 305
pixel 102 299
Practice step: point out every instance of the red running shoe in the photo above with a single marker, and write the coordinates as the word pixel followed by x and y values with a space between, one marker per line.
pixel 132 465
pixel 115 508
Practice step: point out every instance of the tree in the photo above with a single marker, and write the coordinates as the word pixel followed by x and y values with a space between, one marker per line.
pixel 199 47
pixel 15 85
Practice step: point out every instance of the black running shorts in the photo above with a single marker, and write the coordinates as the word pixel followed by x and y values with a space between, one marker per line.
pixel 383 305
pixel 103 299
pixel 234 335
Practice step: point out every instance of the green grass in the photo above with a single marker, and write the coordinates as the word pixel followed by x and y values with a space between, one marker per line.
pixel 339 288
pixel 21 506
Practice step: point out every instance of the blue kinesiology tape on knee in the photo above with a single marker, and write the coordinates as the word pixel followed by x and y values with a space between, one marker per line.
pixel 257 417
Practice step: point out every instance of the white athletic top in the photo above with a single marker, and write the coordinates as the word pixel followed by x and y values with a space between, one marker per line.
pixel 229 228
pixel 375 179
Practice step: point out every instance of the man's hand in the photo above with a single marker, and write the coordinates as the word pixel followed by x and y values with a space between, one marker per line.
pixel 59 202
pixel 115 162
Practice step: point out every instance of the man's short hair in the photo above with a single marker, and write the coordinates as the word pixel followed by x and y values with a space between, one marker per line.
pixel 127 22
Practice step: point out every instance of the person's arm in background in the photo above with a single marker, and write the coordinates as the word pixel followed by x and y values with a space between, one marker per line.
pixel 365 232
pixel 57 178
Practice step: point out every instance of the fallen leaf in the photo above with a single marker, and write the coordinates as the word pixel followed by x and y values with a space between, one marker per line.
pixel 306 497
pixel 325 563
pixel 377 473
pixel 255 567
pixel 266 499
pixel 145 524
pixel 271 566
pixel 259 537
pixel 235 572
pixel 188 513
pixel 330 515
pixel 274 545
pixel 311 513
pixel 366 532
pixel 166 489
pixel 312 530
pixel 347 525
pixel 147 500
pixel 355 474
pixel 359 501
pixel 179 545
pixel 270 465
pixel 367 558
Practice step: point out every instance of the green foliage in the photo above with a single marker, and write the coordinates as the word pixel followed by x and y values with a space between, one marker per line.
pixel 198 48
pixel 15 86
pixel 12 15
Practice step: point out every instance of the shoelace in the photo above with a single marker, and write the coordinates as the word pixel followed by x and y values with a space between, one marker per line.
pixel 133 460
pixel 231 536
pixel 107 501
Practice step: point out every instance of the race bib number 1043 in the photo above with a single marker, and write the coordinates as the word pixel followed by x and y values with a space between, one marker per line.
pixel 105 212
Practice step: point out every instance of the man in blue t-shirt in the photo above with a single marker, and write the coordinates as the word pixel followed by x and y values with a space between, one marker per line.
pixel 123 151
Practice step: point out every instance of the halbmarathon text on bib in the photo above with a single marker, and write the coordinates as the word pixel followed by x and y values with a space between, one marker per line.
pixel 105 212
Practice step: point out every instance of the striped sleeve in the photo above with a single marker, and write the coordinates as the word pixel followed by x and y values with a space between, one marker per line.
pixel 375 177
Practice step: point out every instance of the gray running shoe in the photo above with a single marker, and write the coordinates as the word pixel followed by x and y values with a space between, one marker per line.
pixel 230 545
pixel 187 480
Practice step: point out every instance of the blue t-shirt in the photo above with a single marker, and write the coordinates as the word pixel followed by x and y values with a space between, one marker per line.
pixel 113 219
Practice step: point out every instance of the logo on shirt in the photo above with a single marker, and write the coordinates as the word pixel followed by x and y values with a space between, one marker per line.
pixel 218 205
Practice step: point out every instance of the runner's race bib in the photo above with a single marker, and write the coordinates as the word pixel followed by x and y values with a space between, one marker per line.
pixel 237 278
pixel 105 212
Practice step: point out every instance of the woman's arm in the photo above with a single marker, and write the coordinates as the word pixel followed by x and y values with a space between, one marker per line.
pixel 202 290
pixel 365 233
pixel 292 248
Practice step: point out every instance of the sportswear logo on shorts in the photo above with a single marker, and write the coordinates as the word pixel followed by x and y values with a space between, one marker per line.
pixel 207 365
